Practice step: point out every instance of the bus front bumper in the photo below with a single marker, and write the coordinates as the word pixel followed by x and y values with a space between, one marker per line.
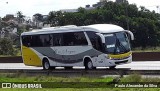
pixel 114 62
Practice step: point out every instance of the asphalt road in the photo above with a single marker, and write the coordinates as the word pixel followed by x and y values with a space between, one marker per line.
pixel 147 65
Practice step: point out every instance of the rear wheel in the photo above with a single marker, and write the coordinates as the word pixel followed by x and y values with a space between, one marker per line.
pixel 46 65
pixel 89 65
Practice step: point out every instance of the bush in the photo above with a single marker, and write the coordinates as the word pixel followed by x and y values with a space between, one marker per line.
pixel 6 47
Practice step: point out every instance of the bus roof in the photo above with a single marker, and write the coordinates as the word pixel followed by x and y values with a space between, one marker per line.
pixel 105 28
pixel 102 28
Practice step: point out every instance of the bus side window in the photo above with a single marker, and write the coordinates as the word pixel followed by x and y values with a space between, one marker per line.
pixel 57 39
pixel 68 39
pixel 74 39
pixel 95 40
pixel 26 41
pixel 34 41
pixel 80 39
pixel 45 40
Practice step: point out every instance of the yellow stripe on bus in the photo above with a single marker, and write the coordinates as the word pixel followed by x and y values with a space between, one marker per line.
pixel 120 56
pixel 30 57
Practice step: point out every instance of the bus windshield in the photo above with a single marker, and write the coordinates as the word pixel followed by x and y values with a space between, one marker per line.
pixel 117 43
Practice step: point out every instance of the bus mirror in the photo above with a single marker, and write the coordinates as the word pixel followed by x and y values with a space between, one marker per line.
pixel 102 37
pixel 131 34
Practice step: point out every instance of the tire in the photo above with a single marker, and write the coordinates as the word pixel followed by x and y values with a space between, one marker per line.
pixel 112 67
pixel 46 65
pixel 89 65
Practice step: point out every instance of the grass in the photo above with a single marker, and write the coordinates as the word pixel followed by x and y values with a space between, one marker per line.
pixel 139 78
pixel 18 77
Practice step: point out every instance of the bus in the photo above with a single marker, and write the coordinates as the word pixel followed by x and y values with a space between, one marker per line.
pixel 91 46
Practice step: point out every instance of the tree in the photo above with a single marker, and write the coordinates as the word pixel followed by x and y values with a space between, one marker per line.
pixel 52 18
pixel 81 10
pixel 20 17
pixel 6 47
pixel 56 18
pixel 143 23
pixel 38 17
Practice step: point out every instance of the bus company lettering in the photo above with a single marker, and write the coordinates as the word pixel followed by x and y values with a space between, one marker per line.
pixel 14 85
pixel 64 52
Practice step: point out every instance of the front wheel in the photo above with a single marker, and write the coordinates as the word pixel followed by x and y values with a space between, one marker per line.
pixel 46 65
pixel 89 65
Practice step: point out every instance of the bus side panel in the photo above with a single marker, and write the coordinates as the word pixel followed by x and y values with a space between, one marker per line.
pixel 30 57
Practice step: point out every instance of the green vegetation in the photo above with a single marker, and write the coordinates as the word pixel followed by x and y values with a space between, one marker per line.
pixel 143 23
pixel 6 47
pixel 10 46
pixel 10 42
pixel 18 77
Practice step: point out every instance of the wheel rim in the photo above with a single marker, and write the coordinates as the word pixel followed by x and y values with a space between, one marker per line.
pixel 90 65
pixel 46 65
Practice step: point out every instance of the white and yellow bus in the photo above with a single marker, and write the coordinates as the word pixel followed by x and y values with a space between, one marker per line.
pixel 98 45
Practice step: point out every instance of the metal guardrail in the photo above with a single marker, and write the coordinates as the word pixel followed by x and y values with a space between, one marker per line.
pixel 137 56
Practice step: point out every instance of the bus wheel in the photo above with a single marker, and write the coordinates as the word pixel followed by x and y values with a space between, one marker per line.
pixel 89 65
pixel 112 67
pixel 46 65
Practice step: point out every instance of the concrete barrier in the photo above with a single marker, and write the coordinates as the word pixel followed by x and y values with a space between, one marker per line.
pixel 16 59
pixel 137 56
pixel 146 56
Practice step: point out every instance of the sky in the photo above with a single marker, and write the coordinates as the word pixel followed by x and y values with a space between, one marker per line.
pixel 31 7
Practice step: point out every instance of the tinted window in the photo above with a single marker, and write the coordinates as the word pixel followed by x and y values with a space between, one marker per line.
pixel 80 38
pixel 45 40
pixel 57 39
pixel 74 39
pixel 110 41
pixel 95 40
pixel 26 40
pixel 37 40
pixel 117 43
